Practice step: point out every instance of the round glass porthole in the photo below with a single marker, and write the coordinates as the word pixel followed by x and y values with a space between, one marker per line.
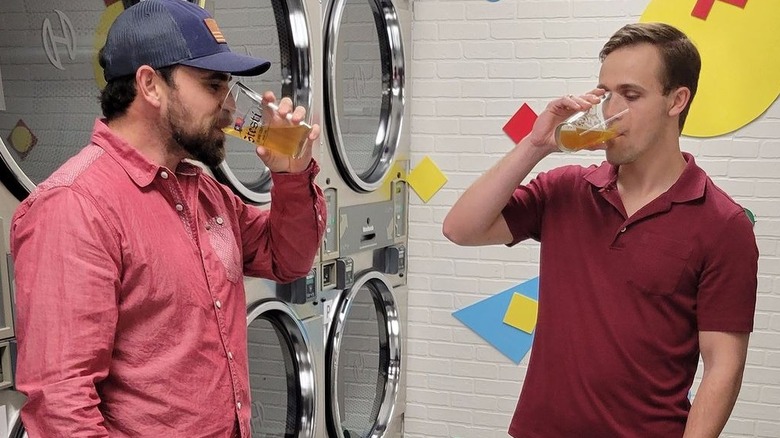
pixel 281 374
pixel 50 82
pixel 277 31
pixel 364 89
pixel 364 360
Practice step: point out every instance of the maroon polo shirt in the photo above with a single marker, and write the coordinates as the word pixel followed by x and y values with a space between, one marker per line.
pixel 622 299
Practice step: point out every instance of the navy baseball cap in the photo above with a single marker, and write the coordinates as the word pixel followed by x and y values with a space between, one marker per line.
pixel 161 33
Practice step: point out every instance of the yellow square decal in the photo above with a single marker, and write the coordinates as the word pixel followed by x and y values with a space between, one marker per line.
pixel 522 312
pixel 426 179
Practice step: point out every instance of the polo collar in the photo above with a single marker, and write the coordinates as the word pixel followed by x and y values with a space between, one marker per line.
pixel 688 187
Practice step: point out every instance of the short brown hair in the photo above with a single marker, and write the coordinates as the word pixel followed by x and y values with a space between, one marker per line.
pixel 119 93
pixel 680 58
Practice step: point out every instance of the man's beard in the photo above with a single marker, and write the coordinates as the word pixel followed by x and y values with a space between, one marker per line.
pixel 206 146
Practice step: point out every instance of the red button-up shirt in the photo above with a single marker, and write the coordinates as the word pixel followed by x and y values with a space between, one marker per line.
pixel 130 301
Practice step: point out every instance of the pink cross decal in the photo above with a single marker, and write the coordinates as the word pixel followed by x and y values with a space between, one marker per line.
pixel 703 7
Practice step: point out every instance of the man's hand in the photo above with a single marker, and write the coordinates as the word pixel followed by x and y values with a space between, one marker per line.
pixel 278 162
pixel 543 133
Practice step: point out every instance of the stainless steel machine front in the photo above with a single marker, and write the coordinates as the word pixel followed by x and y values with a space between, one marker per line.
pixel 366 100
pixel 280 31
pixel 286 361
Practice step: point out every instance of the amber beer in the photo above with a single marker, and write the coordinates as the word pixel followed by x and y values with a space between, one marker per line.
pixel 250 116
pixel 589 128
pixel 287 140
pixel 579 138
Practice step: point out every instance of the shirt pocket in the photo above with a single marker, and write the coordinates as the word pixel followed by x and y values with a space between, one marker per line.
pixel 223 241
pixel 658 263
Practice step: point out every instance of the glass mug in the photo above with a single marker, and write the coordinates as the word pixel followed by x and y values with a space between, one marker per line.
pixel 586 129
pixel 250 120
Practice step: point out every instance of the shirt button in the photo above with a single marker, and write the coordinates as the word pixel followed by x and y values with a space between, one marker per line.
pixel 230 355
pixel 218 303
pixel 623 230
pixel 319 217
pixel 238 405
pixel 219 220
pixel 179 207
pixel 164 174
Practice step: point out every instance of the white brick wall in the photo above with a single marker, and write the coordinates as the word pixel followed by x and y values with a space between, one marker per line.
pixel 474 63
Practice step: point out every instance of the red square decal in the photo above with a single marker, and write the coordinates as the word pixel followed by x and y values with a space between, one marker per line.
pixel 521 123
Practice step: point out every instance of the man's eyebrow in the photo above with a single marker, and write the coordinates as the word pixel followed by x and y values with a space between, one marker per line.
pixel 218 75
pixel 623 87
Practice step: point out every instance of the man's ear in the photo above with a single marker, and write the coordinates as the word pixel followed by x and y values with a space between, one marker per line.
pixel 679 100
pixel 148 86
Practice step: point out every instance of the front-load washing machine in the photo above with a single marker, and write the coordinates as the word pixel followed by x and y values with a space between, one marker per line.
pixel 366 144
pixel 10 400
pixel 366 103
pixel 286 353
pixel 365 349
pixel 50 83
pixel 366 300
pixel 365 111
pixel 280 31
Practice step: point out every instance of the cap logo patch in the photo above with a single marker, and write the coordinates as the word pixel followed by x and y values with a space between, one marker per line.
pixel 215 32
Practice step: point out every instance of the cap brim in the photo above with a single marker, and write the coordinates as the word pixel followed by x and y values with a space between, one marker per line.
pixel 229 62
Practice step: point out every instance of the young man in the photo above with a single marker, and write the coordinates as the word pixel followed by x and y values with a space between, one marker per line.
pixel 129 261
pixel 645 263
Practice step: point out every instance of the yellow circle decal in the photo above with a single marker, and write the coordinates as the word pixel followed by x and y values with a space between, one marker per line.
pixel 740 50
pixel 21 138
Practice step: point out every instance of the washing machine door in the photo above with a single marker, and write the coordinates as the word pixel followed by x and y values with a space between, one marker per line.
pixel 281 374
pixel 50 82
pixel 17 430
pixel 13 401
pixel 364 89
pixel 364 356
pixel 276 30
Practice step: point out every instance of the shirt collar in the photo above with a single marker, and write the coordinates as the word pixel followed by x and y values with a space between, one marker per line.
pixel 689 186
pixel 139 168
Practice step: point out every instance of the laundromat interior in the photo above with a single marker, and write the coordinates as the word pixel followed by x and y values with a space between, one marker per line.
pixel 396 331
